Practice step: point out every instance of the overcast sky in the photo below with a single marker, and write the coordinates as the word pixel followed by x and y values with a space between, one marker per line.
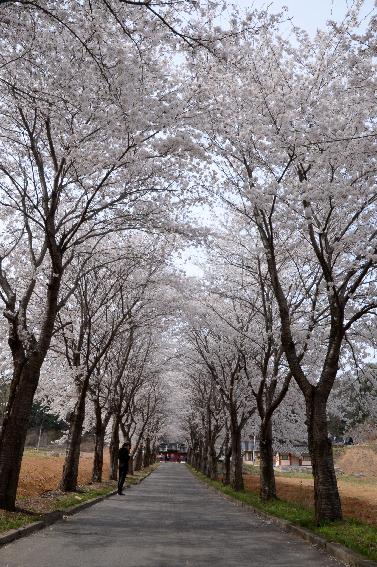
pixel 308 14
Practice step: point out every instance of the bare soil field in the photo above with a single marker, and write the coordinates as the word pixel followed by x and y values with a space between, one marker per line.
pixel 41 472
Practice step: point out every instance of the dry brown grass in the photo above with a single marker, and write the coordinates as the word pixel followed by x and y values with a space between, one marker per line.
pixel 358 493
pixel 359 498
pixel 41 472
pixel 39 493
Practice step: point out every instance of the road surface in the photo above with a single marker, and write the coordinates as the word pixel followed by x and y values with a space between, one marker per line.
pixel 170 520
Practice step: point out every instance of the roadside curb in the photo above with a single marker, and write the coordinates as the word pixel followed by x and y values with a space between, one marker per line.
pixel 52 517
pixel 139 480
pixel 336 550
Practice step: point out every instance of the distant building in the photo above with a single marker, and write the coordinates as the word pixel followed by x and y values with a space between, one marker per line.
pixel 173 452
pixel 250 451
pixel 296 456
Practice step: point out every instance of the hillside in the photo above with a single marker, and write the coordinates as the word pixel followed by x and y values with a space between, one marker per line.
pixel 358 460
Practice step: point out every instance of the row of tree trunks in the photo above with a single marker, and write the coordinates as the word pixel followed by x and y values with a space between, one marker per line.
pixel 70 471
pixel 267 476
pixel 203 457
pixel 204 465
pixel 206 461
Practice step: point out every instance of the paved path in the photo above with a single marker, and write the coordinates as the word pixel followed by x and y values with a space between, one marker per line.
pixel 169 520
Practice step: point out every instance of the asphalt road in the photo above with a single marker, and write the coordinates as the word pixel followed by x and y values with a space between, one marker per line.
pixel 169 520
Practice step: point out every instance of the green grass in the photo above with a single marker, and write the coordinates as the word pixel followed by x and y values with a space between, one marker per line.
pixel 12 521
pixel 133 480
pixel 355 535
pixel 42 453
pixel 64 502
pixel 254 470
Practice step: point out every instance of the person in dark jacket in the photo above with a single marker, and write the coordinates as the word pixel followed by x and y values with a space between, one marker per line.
pixel 124 457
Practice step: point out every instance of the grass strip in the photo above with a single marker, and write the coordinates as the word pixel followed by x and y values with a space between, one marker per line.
pixel 81 496
pixel 355 535
pixel 87 493
pixel 13 521
pixel 139 475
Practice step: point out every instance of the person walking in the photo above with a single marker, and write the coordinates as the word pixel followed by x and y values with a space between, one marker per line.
pixel 124 457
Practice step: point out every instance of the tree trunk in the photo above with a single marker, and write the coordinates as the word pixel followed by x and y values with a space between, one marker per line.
pixel 154 453
pixel 139 459
pixel 236 465
pixel 227 461
pixel 195 456
pixel 148 453
pixel 72 457
pixel 198 457
pixel 207 427
pixel 98 451
pixel 267 474
pixel 204 459
pixel 114 449
pixel 326 495
pixel 131 463
pixel 213 469
pixel 14 427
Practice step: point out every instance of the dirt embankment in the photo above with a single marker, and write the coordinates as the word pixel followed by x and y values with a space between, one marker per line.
pixel 359 460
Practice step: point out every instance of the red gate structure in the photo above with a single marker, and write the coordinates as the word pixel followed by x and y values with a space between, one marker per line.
pixel 173 452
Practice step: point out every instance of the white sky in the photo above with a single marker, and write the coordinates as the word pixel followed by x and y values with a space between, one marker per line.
pixel 309 14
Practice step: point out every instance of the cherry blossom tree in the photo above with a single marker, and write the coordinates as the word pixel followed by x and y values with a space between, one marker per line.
pixel 103 393
pixel 291 128
pixel 217 352
pixel 104 308
pixel 205 429
pixel 82 155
